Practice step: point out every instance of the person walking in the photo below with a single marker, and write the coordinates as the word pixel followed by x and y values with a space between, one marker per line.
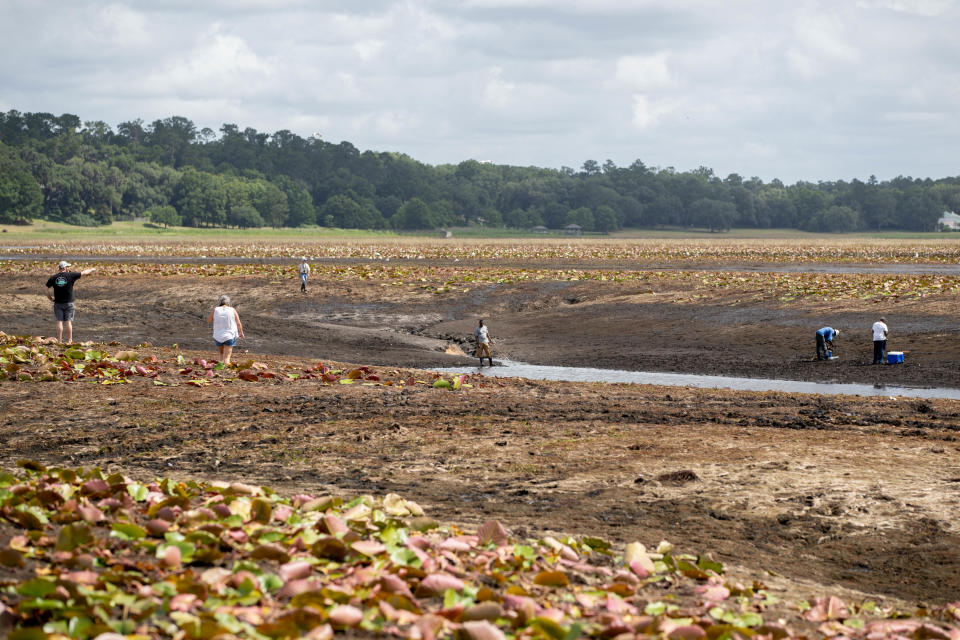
pixel 482 337
pixel 825 337
pixel 226 328
pixel 304 272
pixel 880 331
pixel 60 292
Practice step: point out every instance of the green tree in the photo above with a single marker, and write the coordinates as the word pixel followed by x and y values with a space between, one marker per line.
pixel 522 218
pixel 165 215
pixel 172 138
pixel 582 216
pixel 605 219
pixel 918 210
pixel 810 202
pixel 345 212
pixel 491 217
pixel 713 214
pixel 200 198
pixel 879 208
pixel 664 209
pixel 834 219
pixel 632 210
pixel 776 206
pixel 63 193
pixel 81 220
pixel 20 195
pixel 341 211
pixel 300 209
pixel 414 214
pixel 269 201
pixel 554 213
pixel 246 217
pixel 591 167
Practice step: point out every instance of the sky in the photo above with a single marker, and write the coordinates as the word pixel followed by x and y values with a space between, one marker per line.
pixel 787 89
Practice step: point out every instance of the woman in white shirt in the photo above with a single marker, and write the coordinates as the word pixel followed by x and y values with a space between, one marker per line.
pixel 226 327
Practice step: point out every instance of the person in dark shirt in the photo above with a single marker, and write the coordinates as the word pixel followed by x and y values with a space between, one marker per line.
pixel 60 292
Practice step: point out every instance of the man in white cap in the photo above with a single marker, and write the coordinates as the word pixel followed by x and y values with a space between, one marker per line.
pixel 304 272
pixel 60 292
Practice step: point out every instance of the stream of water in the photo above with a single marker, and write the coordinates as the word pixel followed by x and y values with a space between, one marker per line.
pixel 511 369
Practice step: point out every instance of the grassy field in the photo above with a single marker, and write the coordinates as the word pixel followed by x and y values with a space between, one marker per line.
pixel 42 230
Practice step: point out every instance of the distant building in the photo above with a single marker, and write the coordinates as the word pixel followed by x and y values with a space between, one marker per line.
pixel 949 221
pixel 538 229
pixel 573 230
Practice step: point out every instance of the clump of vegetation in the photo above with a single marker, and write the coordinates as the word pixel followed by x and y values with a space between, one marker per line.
pixel 31 359
pixel 94 553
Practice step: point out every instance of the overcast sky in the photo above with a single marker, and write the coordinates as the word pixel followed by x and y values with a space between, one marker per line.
pixel 795 90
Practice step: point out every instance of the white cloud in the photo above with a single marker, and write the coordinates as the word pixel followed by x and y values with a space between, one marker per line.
pixel 368 49
pixel 825 36
pixel 740 85
pixel 123 26
pixel 760 150
pixel 917 7
pixel 390 124
pixel 802 63
pixel 220 64
pixel 646 113
pixel 497 92
pixel 644 72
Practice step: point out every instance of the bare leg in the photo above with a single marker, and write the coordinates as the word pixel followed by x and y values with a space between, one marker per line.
pixel 59 330
pixel 227 352
pixel 68 325
pixel 220 348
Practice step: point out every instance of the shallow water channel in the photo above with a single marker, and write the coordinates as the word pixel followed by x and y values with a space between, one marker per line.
pixel 511 369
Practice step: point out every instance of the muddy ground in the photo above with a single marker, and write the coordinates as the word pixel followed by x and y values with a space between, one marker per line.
pixel 667 326
pixel 812 493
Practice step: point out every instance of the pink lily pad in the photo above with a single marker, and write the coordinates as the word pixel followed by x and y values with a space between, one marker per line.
pixel 345 616
pixel 482 630
pixel 368 547
pixel 436 584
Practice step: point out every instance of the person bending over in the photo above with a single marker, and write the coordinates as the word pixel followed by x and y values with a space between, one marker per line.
pixel 825 337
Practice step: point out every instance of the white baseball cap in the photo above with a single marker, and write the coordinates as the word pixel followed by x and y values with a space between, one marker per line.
pixel 63 264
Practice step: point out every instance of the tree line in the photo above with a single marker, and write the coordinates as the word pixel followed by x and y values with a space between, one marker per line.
pixel 89 173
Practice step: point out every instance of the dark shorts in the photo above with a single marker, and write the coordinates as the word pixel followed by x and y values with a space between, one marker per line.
pixel 63 311
pixel 232 342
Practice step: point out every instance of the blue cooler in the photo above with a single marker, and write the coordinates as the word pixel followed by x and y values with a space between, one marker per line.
pixel 894 357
